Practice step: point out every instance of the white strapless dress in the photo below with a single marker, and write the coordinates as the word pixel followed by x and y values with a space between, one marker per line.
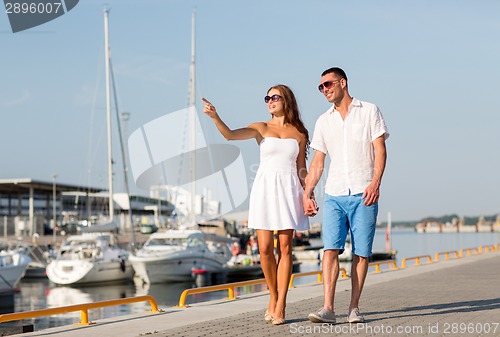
pixel 276 196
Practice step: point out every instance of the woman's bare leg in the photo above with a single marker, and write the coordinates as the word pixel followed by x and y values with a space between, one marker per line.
pixel 284 273
pixel 265 239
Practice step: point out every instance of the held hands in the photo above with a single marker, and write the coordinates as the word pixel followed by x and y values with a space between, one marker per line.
pixel 310 206
pixel 209 109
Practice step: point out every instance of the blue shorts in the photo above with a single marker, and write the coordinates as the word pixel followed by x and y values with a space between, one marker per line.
pixel 348 212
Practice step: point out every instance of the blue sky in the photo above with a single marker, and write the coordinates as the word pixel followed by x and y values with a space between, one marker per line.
pixel 430 66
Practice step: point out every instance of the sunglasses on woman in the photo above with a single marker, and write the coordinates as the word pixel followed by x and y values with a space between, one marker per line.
pixel 274 98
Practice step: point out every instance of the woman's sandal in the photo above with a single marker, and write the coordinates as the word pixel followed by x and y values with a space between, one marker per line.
pixel 278 321
pixel 268 317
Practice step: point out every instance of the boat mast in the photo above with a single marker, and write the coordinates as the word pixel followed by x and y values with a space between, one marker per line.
pixel 108 111
pixel 388 239
pixel 192 122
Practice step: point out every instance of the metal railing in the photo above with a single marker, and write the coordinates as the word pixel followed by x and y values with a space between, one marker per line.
pixel 486 249
pixel 231 286
pixel 392 263
pixel 417 260
pixel 468 250
pixel 446 255
pixel 316 272
pixel 319 273
pixel 377 265
pixel 228 286
pixel 83 308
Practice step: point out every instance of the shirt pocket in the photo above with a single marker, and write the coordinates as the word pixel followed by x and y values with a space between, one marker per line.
pixel 359 132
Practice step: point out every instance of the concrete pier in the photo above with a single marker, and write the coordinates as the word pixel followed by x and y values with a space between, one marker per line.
pixel 458 297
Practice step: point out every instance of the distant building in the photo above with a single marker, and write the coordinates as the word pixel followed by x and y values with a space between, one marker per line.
pixel 27 206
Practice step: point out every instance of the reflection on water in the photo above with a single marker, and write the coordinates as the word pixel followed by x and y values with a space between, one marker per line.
pixel 40 293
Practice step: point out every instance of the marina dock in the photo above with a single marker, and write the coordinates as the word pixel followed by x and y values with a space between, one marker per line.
pixel 456 297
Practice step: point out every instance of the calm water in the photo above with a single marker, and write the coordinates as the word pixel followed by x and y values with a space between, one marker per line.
pixel 40 294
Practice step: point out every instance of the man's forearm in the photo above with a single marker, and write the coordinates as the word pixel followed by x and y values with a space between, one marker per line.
pixel 314 175
pixel 380 161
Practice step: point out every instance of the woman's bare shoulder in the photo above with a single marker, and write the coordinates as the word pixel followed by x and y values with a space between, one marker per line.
pixel 258 126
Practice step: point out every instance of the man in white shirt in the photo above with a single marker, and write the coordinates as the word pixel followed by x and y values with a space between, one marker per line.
pixel 353 133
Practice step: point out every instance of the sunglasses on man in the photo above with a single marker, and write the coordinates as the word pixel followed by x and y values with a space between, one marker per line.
pixel 327 85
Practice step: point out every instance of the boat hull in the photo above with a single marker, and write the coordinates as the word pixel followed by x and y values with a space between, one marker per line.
pixel 13 266
pixel 172 268
pixel 11 276
pixel 74 272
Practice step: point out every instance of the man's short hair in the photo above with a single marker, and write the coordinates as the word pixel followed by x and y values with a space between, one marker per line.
pixel 337 71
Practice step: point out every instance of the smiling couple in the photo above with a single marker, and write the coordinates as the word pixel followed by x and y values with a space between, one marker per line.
pixel 353 133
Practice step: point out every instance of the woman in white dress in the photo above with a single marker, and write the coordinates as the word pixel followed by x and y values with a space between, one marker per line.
pixel 276 197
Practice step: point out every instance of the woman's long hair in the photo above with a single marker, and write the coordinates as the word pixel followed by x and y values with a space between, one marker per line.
pixel 292 113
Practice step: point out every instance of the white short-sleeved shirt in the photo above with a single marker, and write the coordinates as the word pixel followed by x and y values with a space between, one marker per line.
pixel 349 144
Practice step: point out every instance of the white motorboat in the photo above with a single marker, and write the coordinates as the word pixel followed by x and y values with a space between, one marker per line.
pixel 90 258
pixel 172 256
pixel 13 265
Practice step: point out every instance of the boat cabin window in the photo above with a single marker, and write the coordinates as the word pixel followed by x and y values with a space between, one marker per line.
pixel 196 242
